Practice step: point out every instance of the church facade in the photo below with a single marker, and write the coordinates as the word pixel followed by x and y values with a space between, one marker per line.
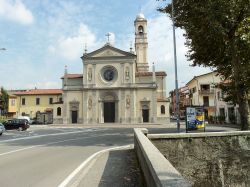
pixel 115 86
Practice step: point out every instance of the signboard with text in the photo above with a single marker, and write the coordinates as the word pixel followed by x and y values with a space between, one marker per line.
pixel 195 118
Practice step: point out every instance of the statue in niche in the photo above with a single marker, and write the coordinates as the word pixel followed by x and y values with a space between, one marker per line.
pixel 127 74
pixel 90 74
pixel 127 101
pixel 90 103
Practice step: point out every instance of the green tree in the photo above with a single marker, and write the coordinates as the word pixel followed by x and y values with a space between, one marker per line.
pixel 218 36
pixel 4 101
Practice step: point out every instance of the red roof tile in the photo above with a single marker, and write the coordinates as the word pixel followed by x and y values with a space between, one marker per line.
pixel 39 92
pixel 72 76
pixel 158 73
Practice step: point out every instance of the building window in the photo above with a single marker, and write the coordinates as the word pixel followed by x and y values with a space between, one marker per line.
pixel 60 99
pixel 162 109
pixel 205 100
pixel 205 87
pixel 50 100
pixel 140 29
pixel 218 95
pixel 37 101
pixel 193 90
pixel 13 102
pixel 23 101
pixel 58 111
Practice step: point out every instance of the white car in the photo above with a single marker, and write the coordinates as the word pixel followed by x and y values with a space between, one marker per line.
pixel 2 129
pixel 25 117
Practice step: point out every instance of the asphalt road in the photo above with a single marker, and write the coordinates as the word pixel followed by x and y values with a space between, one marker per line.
pixel 46 156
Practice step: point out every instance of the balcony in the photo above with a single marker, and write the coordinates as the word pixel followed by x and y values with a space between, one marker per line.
pixel 206 92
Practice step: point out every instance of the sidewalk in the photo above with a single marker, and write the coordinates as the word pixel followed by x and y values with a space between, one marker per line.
pixel 114 168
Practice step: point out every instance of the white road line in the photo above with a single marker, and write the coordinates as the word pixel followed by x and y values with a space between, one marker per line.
pixel 51 143
pixel 84 163
pixel 39 136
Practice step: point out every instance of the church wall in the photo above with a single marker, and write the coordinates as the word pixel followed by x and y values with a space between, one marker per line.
pixel 161 86
pixel 74 82
pixel 74 96
pixel 144 79
pixel 145 98
pixel 161 117
pixel 57 117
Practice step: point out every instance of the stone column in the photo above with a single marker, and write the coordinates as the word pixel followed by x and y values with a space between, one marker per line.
pixel 84 108
pixel 122 73
pixel 65 108
pixel 133 106
pixel 154 106
pixel 94 74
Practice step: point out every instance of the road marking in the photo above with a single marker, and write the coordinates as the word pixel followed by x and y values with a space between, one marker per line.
pixel 84 163
pixel 39 136
pixel 51 143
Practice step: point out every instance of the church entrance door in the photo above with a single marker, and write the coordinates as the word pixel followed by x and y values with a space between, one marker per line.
pixel 109 112
pixel 145 115
pixel 74 116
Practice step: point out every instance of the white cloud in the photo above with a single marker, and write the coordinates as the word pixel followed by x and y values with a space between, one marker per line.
pixel 72 47
pixel 16 11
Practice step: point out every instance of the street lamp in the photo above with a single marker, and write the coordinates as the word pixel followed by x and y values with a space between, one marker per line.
pixel 176 76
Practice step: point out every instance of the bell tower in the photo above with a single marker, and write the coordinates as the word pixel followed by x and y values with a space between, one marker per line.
pixel 141 43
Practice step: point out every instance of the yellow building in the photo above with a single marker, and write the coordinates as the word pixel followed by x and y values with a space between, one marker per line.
pixel 29 102
pixel 12 106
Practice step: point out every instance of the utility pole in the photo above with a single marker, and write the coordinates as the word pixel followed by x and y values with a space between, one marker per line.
pixel 176 76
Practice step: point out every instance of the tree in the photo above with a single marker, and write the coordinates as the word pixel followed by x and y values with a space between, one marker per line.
pixel 218 36
pixel 4 101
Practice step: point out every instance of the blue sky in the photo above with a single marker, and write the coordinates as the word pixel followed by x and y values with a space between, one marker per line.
pixel 42 36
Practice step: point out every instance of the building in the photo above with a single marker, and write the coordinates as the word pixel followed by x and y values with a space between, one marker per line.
pixel 115 86
pixel 183 101
pixel 228 111
pixel 202 92
pixel 29 102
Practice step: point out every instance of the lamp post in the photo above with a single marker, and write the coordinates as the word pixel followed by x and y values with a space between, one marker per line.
pixel 176 76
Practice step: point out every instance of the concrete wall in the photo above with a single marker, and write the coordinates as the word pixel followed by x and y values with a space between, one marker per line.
pixel 157 170
pixel 208 159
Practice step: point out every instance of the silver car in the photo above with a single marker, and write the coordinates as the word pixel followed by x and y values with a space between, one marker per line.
pixel 2 129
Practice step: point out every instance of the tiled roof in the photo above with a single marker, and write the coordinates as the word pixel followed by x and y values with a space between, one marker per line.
pixel 39 92
pixel 158 73
pixel 72 76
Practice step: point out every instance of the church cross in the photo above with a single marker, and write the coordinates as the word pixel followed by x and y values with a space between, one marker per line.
pixel 108 35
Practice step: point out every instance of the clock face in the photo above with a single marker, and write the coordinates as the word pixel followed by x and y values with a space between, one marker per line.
pixel 108 75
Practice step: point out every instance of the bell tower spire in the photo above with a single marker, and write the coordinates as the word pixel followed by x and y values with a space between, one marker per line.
pixel 141 43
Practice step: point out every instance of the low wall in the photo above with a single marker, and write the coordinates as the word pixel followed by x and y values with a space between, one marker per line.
pixel 208 159
pixel 156 169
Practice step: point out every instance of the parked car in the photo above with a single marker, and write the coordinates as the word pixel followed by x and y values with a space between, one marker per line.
pixel 25 117
pixel 19 124
pixel 2 127
pixel 1 132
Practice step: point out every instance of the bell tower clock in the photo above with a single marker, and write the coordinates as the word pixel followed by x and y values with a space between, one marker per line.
pixel 141 43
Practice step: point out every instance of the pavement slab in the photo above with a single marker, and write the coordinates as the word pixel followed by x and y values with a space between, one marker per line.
pixel 115 168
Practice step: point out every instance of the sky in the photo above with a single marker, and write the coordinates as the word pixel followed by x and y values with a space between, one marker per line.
pixel 42 36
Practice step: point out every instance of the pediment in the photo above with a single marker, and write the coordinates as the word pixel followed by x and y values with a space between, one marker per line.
pixel 108 51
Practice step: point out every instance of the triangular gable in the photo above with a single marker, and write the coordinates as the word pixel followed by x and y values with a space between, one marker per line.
pixel 108 51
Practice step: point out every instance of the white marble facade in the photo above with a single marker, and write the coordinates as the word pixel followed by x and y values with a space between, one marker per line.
pixel 115 87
